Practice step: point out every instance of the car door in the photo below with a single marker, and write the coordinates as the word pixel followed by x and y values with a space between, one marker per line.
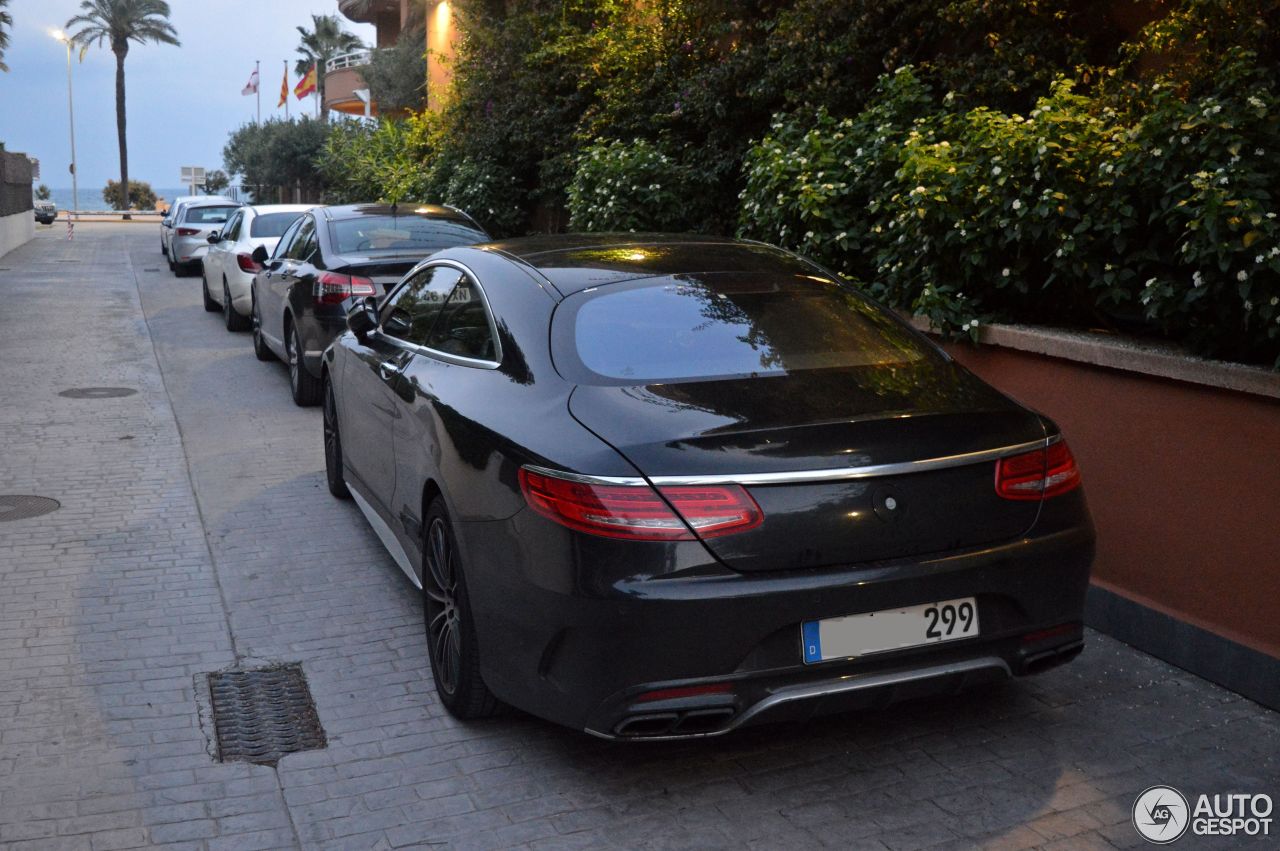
pixel 433 431
pixel 271 287
pixel 371 380
pixel 215 261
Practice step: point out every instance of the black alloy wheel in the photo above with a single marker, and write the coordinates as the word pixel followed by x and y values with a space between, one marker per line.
pixel 333 446
pixel 260 349
pixel 210 305
pixel 234 321
pixel 304 386
pixel 451 635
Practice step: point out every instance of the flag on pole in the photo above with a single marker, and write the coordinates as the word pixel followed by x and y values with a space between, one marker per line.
pixel 284 88
pixel 251 87
pixel 306 85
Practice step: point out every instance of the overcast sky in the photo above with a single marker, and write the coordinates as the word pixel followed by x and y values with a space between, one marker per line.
pixel 183 101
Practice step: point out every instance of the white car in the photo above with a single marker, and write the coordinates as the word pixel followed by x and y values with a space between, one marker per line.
pixel 229 266
pixel 167 223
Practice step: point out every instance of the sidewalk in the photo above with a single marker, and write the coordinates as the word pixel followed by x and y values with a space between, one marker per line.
pixel 195 534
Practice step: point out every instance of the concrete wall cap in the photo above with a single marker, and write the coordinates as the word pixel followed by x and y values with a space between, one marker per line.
pixel 1128 354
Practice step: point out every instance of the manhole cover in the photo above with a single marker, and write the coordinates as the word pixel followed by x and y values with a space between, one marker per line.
pixel 97 392
pixel 15 507
pixel 261 715
pixel 151 268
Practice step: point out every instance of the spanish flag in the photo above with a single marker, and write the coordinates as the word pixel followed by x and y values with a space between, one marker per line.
pixel 306 85
pixel 284 88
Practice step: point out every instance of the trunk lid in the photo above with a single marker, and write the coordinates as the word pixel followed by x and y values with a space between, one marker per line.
pixel 823 420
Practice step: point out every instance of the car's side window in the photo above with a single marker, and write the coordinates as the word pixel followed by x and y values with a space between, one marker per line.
pixel 304 244
pixel 232 231
pixel 463 328
pixel 411 311
pixel 286 241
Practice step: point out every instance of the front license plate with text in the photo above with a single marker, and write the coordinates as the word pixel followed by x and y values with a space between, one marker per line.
pixel 891 629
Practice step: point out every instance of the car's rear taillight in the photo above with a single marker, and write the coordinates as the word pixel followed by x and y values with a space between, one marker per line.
pixel 332 288
pixel 1038 474
pixel 247 264
pixel 637 512
pixel 188 231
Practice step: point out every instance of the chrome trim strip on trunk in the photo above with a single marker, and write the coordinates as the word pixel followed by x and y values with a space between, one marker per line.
pixel 839 474
pixel 827 688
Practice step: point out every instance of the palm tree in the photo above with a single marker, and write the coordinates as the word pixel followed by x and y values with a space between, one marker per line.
pixel 118 22
pixel 325 40
pixel 6 24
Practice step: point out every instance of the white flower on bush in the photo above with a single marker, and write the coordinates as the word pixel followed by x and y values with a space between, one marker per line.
pixel 1197 279
pixel 1157 152
pixel 841 235
pixel 1257 102
pixel 1242 275
pixel 1017 205
pixel 1186 140
pixel 1259 259
pixel 1258 152
pixel 1248 305
pixel 995 171
pixel 1004 273
pixel 1151 282
pixel 1275 300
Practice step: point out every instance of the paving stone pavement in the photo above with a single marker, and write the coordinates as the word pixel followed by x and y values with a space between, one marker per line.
pixel 196 534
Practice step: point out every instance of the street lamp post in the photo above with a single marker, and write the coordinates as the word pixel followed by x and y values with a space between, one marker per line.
pixel 71 120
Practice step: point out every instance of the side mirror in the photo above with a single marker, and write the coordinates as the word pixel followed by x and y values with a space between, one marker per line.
pixel 260 255
pixel 215 238
pixel 362 317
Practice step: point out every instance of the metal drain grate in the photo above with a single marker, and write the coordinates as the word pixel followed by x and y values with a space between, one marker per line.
pixel 20 507
pixel 151 268
pixel 97 392
pixel 261 715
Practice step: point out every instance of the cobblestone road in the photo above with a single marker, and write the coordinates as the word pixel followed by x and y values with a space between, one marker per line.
pixel 196 534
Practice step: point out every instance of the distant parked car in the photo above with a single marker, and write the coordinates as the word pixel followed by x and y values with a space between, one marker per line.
pixel 191 228
pixel 171 216
pixel 666 487
pixel 229 266
pixel 333 254
pixel 45 211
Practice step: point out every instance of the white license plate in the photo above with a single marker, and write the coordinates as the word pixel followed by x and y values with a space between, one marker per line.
pixel 891 629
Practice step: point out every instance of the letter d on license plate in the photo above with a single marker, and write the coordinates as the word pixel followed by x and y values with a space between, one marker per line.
pixel 891 629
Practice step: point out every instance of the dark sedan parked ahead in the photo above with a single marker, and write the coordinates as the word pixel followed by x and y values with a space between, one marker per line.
pixel 657 487
pixel 332 254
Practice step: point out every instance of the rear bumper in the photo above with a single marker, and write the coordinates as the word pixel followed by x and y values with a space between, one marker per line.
pixel 583 652
pixel 186 249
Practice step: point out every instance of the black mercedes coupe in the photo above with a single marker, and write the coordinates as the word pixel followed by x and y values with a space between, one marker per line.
pixel 662 487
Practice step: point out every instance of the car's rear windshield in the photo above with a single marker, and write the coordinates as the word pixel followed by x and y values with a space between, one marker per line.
pixel 401 234
pixel 272 224
pixel 207 215
pixel 683 328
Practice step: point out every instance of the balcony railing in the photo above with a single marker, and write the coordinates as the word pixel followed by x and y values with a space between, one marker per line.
pixel 347 60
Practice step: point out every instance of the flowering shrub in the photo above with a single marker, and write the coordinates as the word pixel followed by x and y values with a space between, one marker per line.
pixel 629 186
pixel 1072 214
pixel 485 190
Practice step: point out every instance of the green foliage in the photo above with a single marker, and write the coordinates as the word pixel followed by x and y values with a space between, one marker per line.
pixel 277 153
pixel 216 181
pixel 397 76
pixel 384 162
pixel 1076 213
pixel 6 24
pixel 43 193
pixel 141 196
pixel 488 192
pixel 629 186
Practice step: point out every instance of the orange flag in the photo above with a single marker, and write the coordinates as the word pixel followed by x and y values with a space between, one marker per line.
pixel 284 88
pixel 306 85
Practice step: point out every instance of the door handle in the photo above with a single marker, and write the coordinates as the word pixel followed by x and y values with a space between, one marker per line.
pixel 388 370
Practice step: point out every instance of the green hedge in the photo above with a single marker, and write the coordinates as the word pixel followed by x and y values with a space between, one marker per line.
pixel 1073 214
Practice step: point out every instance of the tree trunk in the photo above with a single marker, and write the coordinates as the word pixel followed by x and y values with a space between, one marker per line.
pixel 120 129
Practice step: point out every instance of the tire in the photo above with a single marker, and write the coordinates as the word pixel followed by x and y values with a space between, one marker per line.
pixel 164 252
pixel 209 304
pixel 333 445
pixel 304 386
pixel 233 320
pixel 173 267
pixel 260 349
pixel 449 625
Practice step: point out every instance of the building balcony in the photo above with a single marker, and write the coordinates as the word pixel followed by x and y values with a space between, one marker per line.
pixel 342 79
pixel 387 16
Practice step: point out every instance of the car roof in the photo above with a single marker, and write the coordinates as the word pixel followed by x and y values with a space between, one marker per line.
pixel 428 211
pixel 574 262
pixel 263 209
